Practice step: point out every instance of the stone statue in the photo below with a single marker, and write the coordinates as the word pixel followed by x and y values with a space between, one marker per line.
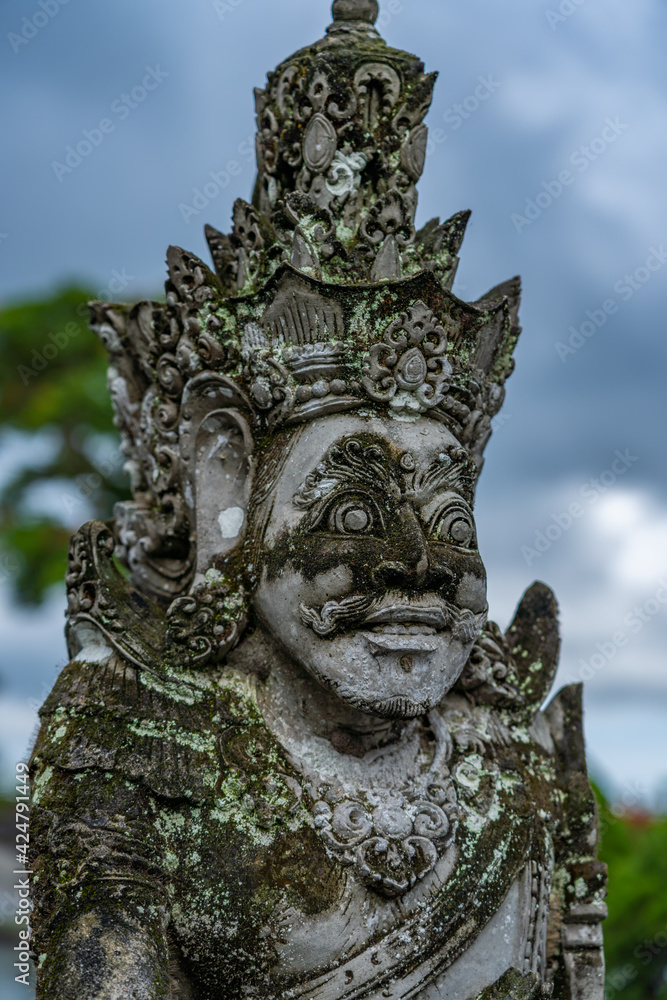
pixel 290 757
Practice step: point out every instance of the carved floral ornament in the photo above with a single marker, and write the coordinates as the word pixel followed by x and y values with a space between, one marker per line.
pixel 408 369
pixel 327 108
pixel 336 132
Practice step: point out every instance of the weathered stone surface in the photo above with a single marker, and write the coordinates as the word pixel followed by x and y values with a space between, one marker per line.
pixel 350 10
pixel 290 756
pixel 516 986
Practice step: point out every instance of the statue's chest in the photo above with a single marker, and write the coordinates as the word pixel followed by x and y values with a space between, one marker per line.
pixel 294 877
pixel 386 821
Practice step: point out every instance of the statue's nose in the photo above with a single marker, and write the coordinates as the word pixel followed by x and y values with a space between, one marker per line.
pixel 406 560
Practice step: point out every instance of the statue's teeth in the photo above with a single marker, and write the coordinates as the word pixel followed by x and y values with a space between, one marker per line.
pixel 395 629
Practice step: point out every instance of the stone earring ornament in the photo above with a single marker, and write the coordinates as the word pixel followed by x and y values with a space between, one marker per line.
pixel 291 757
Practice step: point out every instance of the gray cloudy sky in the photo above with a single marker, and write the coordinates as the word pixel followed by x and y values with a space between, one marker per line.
pixel 550 122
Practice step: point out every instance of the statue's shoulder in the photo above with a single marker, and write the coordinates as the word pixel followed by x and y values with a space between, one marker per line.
pixel 187 741
pixel 134 698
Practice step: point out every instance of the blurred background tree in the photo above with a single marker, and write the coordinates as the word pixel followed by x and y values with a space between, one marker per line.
pixel 634 845
pixel 62 457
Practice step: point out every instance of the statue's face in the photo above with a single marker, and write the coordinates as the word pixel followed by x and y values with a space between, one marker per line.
pixel 370 575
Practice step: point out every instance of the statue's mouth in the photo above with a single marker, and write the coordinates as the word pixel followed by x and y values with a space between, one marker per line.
pixel 397 622
pixel 403 618
pixel 404 628
pixel 404 643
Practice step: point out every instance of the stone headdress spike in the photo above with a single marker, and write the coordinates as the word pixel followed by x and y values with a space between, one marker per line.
pixel 324 297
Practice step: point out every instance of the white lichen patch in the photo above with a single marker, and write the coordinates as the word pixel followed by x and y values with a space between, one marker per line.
pixel 171 861
pixel 242 686
pixel 474 822
pixel 174 690
pixel 171 731
pixel 171 821
pixel 40 783
pixel 580 888
pixel 230 813
pixel 231 521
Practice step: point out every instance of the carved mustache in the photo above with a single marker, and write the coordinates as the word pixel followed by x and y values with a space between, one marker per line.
pixel 357 611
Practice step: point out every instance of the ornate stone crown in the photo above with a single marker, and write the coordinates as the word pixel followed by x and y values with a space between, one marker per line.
pixel 324 299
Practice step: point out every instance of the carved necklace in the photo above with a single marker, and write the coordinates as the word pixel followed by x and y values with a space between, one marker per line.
pixel 391 837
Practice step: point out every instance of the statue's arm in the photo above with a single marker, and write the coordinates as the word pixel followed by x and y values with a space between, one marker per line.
pixel 100 917
pixel 100 904
pixel 107 941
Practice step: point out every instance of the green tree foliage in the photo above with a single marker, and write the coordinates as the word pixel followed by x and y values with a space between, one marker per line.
pixel 634 845
pixel 55 405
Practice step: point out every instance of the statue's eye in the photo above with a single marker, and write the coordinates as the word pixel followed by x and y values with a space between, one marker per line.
pixel 351 517
pixel 455 526
pixel 351 512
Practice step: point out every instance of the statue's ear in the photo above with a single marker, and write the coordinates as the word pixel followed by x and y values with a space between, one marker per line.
pixel 216 448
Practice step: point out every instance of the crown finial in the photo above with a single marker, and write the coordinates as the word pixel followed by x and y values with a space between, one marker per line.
pixel 356 10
